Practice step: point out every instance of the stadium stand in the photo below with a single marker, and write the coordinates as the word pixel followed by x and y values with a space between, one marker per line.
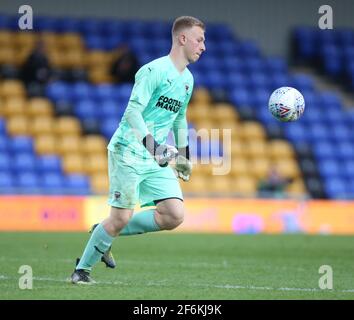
pixel 61 137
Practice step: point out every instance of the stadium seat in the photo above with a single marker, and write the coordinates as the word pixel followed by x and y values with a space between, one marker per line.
pixel 46 144
pixel 96 163
pixel 244 186
pixel 77 184
pixel 18 125
pixel 74 163
pixel 67 125
pixel 99 183
pixel 39 107
pixel 42 125
pixel 69 144
pixel 94 144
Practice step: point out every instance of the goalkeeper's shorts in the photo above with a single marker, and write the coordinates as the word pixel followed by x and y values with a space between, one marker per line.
pixel 133 182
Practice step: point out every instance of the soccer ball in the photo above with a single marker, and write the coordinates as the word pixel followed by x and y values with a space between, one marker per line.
pixel 286 104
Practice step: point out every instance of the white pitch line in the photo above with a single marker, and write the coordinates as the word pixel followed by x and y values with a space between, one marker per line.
pixel 163 283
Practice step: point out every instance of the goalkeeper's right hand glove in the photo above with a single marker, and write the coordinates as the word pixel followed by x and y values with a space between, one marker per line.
pixel 162 153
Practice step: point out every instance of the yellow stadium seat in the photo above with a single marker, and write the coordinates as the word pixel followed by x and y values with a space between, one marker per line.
pixel 12 88
pixel 95 58
pixel 205 126
pixel 99 183
pixel 6 38
pixel 252 130
pixel 67 125
pixel 39 107
pixel 202 169
pixel 238 148
pixel 198 112
pixel 14 106
pixel 74 163
pixel 22 54
pixel 18 125
pixel 256 148
pixel 56 58
pixel 94 144
pixel 46 144
pixel 197 184
pixel 240 166
pixel 69 144
pixel 69 41
pixel 260 167
pixel 73 59
pixel 50 39
pixel 297 188
pixel 100 75
pixel 201 95
pixel 96 163
pixel 7 55
pixel 25 39
pixel 42 125
pixel 280 149
pixel 224 111
pixel 288 167
pixel 218 184
pixel 244 185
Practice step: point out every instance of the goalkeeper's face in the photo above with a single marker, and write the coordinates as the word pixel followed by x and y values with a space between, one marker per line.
pixel 194 45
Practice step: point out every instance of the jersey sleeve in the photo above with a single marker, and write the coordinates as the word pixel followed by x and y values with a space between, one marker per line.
pixel 180 125
pixel 147 80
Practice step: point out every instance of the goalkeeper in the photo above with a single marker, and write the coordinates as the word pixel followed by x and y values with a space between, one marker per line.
pixel 138 155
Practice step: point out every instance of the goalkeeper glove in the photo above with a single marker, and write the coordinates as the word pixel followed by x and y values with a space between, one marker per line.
pixel 162 153
pixel 183 166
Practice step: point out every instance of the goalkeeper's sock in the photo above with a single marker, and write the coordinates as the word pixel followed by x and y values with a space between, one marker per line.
pixel 98 244
pixel 141 222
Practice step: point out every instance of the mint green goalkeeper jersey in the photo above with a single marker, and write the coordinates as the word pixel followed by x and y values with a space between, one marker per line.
pixel 163 94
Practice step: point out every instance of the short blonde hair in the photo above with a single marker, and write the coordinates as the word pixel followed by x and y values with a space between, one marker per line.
pixel 186 22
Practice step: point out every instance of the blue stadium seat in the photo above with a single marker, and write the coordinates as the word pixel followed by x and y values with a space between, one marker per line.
pixel 330 169
pixel 109 108
pixel 109 126
pixel 28 182
pixel 95 42
pixel 22 144
pixel 2 127
pixel 67 25
pixel 81 90
pixel 24 161
pixel 7 182
pixel 296 132
pixel 53 183
pixel 58 91
pixel 302 82
pixel 345 150
pixel 324 150
pixel 89 26
pixel 49 164
pixel 336 188
pixel 45 23
pixel 240 97
pixel 5 162
pixel 85 109
pixel 103 91
pixel 4 144
pixel 77 184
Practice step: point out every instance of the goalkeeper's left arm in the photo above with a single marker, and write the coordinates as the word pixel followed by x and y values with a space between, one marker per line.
pixel 183 164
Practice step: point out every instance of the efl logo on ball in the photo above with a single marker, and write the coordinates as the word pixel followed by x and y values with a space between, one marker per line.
pixel 286 104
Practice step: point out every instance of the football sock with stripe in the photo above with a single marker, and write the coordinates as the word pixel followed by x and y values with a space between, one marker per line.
pixel 98 244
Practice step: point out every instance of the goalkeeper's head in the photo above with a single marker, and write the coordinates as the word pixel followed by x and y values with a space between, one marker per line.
pixel 188 35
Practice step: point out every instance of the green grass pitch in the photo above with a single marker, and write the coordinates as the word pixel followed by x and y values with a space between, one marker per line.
pixel 181 266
